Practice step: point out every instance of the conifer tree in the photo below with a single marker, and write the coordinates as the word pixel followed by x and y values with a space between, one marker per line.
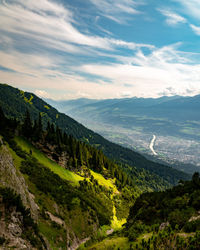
pixel 27 125
pixel 2 118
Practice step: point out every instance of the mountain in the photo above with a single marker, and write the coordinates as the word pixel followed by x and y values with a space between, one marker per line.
pixel 70 104
pixel 59 192
pixel 124 111
pixel 15 102
pixel 132 122
pixel 55 191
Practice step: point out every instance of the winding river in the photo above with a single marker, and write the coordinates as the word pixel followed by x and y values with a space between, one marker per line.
pixel 152 145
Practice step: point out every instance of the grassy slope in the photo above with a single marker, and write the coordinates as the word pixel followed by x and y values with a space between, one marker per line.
pixel 120 242
pixel 109 184
pixel 113 243
pixel 70 176
pixel 63 173
pixel 53 233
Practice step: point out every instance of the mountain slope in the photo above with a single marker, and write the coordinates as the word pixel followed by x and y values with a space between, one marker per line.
pixel 161 220
pixel 72 190
pixel 172 214
pixel 15 103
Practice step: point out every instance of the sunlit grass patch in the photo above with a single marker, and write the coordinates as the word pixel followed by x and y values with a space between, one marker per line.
pixel 57 169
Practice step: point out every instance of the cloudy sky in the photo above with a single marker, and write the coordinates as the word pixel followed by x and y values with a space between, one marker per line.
pixel 66 49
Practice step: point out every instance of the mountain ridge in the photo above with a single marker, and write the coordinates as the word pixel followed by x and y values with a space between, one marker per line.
pixel 20 101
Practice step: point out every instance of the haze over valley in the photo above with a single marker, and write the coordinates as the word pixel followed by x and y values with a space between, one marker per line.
pixel 132 122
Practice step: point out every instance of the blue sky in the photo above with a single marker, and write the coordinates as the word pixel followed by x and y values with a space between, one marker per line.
pixel 64 49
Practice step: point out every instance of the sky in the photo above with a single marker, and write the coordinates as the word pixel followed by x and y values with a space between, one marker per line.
pixel 99 49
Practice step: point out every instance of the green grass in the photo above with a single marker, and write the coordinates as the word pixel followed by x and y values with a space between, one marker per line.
pixel 108 183
pixel 113 243
pixel 52 234
pixel 117 224
pixel 17 160
pixel 57 169
pixel 47 107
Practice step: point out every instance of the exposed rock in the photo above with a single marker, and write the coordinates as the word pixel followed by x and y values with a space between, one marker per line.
pixel 108 232
pixel 63 159
pixel 163 226
pixel 11 229
pixel 12 178
pixel 193 218
pixel 56 219
pixel 15 225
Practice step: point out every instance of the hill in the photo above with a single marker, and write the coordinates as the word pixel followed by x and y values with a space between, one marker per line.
pixel 15 102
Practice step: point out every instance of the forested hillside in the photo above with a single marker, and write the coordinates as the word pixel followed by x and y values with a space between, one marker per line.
pixel 171 217
pixel 15 103
pixel 161 220
pixel 76 192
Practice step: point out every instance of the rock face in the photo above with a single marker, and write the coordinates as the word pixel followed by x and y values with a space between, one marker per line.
pixel 11 221
pixel 12 178
pixel 194 218
pixel 11 229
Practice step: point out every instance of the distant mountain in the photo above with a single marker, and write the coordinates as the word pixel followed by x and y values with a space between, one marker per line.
pixel 15 103
pixel 125 103
pixel 174 107
pixel 70 104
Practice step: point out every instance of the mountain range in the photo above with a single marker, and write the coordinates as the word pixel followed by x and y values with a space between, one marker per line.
pixel 63 186
pixel 15 102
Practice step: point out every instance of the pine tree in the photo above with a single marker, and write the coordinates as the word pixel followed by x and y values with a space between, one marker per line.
pixel 27 125
pixel 2 119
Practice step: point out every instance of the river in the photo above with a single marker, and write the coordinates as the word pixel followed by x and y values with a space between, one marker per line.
pixel 152 145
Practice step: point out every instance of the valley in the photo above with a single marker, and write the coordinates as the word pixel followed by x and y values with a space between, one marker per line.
pixel 132 123
pixel 99 125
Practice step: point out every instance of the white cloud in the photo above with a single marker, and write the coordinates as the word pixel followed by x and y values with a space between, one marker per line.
pixel 165 70
pixel 39 25
pixel 117 10
pixel 172 18
pixel 150 75
pixel 42 93
pixel 196 29
pixel 51 25
pixel 191 7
